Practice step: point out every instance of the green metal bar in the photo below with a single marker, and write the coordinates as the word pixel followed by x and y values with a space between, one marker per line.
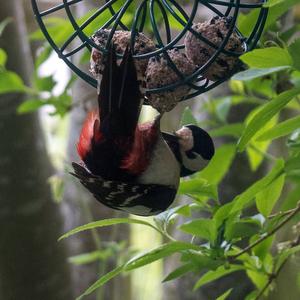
pixel 231 4
pixel 57 8
pixel 142 6
pixel 163 34
pixel 79 29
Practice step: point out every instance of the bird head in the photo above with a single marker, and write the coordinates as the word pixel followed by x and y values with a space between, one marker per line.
pixel 196 141
pixel 193 148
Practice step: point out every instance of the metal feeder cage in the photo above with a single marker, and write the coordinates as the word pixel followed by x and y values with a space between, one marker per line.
pixel 157 18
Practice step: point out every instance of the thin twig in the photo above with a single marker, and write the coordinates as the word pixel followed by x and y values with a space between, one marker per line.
pixel 293 212
pixel 281 213
pixel 264 289
pixel 272 277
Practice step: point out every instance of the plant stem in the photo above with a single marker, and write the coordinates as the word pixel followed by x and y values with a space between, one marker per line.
pixel 292 213
pixel 272 277
pixel 263 289
pixel 281 213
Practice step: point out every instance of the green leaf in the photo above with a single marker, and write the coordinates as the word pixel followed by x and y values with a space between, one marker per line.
pixel 182 270
pixel 248 195
pixel 213 275
pixel 291 199
pixel 278 10
pixel 224 295
pixel 294 140
pixel 256 149
pixel 61 103
pixel 45 83
pixel 237 87
pixel 256 73
pixel 11 82
pixel 203 228
pixel 167 215
pixel 90 257
pixel 293 167
pixel 258 278
pixel 201 261
pixel 262 249
pixel 252 296
pixel 294 50
pixel 224 213
pixel 219 164
pixel 271 3
pixel 30 105
pixel 256 155
pixel 60 28
pixel 43 55
pixel 267 198
pixel 100 282
pixel 281 129
pixel 266 112
pixel 3 58
pixel 104 223
pixel 242 229
pixel 158 253
pixel 163 219
pixel 198 187
pixel 188 117
pixel 234 130
pixel 267 58
pixel 246 21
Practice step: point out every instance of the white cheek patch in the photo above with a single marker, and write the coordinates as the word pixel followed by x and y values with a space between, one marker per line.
pixel 193 164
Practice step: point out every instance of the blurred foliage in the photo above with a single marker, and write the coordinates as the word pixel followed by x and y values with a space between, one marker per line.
pixel 272 85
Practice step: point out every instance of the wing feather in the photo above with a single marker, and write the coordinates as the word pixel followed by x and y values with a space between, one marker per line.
pixel 139 199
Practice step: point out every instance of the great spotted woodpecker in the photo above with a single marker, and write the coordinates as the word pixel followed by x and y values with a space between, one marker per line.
pixel 129 166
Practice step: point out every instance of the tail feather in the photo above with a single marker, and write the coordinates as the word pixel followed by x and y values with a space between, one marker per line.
pixel 120 98
pixel 107 99
pixel 130 95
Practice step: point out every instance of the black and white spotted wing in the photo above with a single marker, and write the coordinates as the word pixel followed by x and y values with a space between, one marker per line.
pixel 138 199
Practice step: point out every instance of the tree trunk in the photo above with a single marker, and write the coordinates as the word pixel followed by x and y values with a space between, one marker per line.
pixel 32 262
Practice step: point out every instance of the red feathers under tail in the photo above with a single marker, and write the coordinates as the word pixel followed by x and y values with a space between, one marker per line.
pixel 90 130
pixel 145 139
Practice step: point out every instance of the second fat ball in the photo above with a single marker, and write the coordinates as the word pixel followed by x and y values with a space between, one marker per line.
pixel 199 52
pixel 159 73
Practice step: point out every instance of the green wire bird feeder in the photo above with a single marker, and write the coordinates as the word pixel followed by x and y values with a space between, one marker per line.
pixel 170 24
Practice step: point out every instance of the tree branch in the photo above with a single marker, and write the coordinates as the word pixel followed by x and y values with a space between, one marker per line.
pixel 273 276
pixel 292 213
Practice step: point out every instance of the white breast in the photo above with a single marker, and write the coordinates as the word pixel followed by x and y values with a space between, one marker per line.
pixel 163 168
